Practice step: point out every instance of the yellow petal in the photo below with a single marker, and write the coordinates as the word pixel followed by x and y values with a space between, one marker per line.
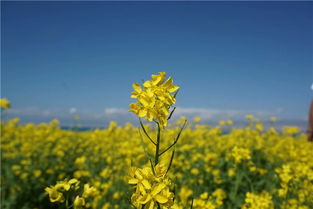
pixel 138 174
pixel 168 82
pixel 173 88
pixel 142 113
pixel 147 84
pixel 157 189
pixel 73 181
pixel 150 205
pixel 144 199
pixel 146 184
pixel 161 199
pixel 136 87
pixel 144 101
pixel 134 108
pixel 133 181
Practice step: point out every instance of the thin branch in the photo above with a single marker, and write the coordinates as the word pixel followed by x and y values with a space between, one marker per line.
pixel 143 145
pixel 176 93
pixel 191 203
pixel 157 148
pixel 144 130
pixel 174 191
pixel 170 164
pixel 169 117
pixel 175 139
pixel 152 167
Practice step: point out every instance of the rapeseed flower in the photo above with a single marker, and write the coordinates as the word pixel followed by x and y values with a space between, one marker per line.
pixel 4 103
pixel 54 194
pixel 79 202
pixel 258 201
pixel 154 98
pixel 240 154
pixel 151 189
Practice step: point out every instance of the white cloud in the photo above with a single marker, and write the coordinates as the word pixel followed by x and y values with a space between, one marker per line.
pixel 122 115
pixel 219 114
pixel 73 110
pixel 113 110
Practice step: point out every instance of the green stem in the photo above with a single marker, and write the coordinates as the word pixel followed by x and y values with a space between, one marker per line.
pixel 237 183
pixel 66 203
pixel 144 130
pixel 157 147
pixel 171 160
pixel 181 129
pixel 287 193
pixel 250 183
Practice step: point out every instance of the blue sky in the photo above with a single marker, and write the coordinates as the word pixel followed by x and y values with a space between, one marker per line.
pixel 230 58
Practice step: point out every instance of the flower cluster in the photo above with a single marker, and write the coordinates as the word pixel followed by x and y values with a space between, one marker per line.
pixel 65 191
pixel 154 99
pixel 56 192
pixel 240 154
pixel 296 180
pixel 152 187
pixel 5 104
pixel 215 200
pixel 258 201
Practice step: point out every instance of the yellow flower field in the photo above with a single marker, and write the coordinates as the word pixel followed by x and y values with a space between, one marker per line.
pixel 245 168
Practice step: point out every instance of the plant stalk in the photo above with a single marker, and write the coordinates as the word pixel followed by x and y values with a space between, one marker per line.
pixel 157 147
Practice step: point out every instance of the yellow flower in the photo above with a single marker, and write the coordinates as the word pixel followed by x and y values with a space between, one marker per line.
pixel 197 119
pixel 80 160
pixel 258 201
pixel 73 181
pixel 79 202
pixel 151 188
pixel 5 104
pixel 37 173
pixel 62 185
pixel 54 195
pixel 231 172
pixel 154 99
pixel 184 194
pixel 159 194
pixel 140 178
pixel 204 195
pixel 249 117
pixel 116 195
pixel 194 171
pixel 89 191
pixel 239 154
pixel 229 122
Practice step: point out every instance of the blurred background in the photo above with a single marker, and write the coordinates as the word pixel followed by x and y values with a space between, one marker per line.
pixel 76 61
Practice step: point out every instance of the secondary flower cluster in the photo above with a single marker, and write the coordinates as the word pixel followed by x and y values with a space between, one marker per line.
pixel 296 180
pixel 62 189
pixel 4 103
pixel 154 98
pixel 152 188
pixel 258 201
pixel 240 154
pixel 215 200
pixel 56 192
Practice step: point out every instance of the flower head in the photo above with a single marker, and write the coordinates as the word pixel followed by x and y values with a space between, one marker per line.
pixel 154 98
pixel 5 104
pixel 151 189
pixel 79 202
pixel 54 194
